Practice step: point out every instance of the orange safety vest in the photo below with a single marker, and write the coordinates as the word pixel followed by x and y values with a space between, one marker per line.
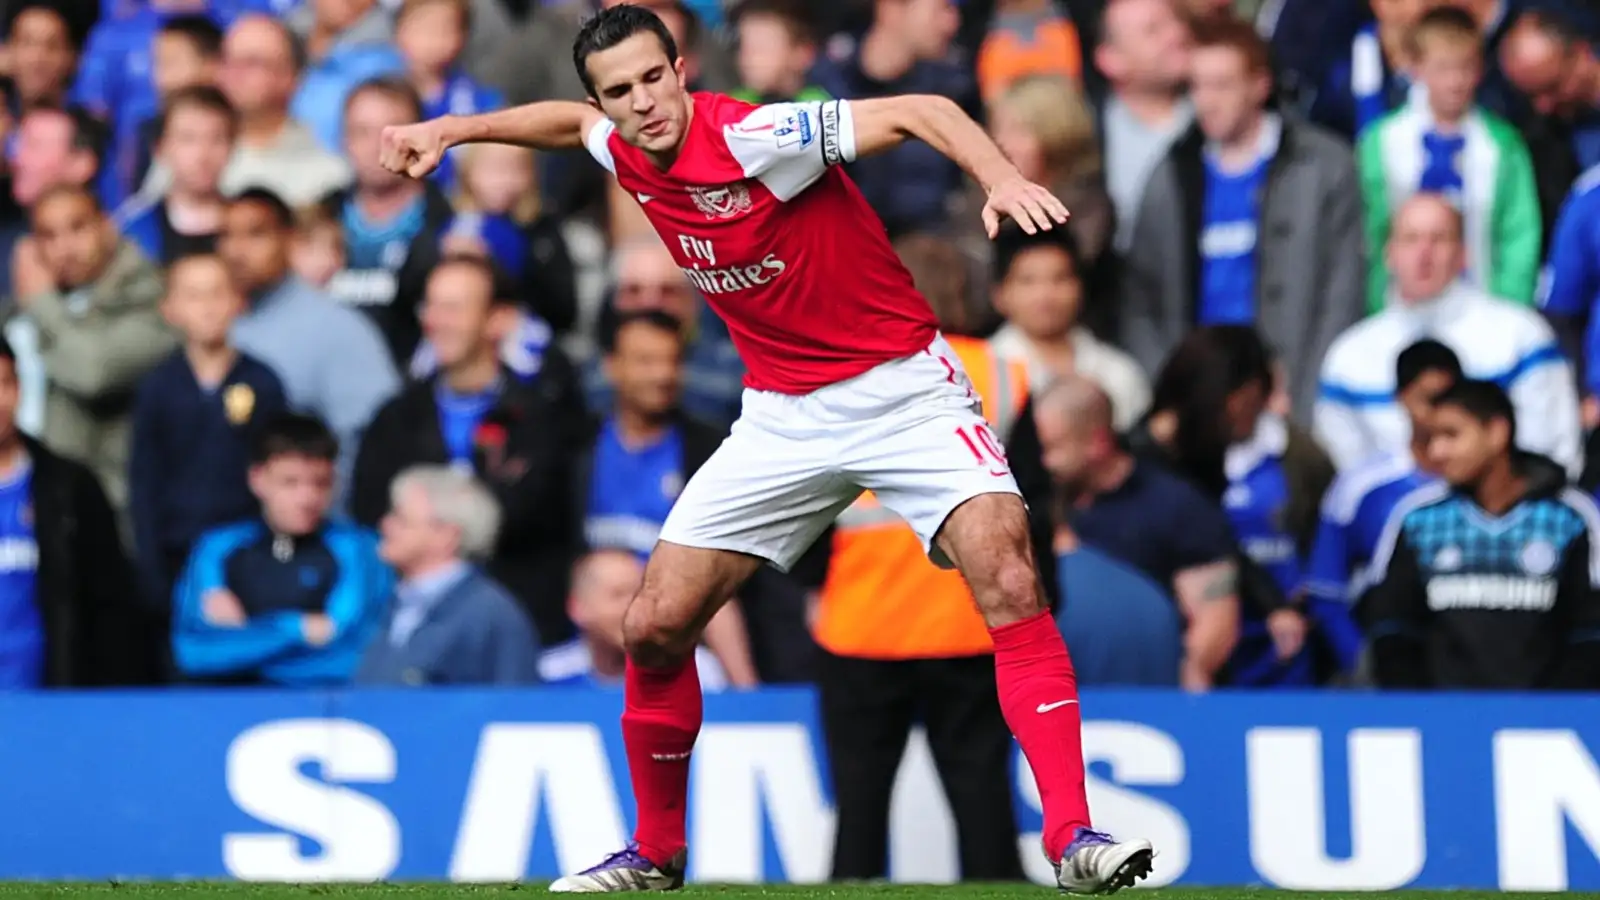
pixel 883 598
pixel 1004 57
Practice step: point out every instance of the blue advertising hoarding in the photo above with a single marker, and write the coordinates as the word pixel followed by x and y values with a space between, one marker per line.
pixel 1315 791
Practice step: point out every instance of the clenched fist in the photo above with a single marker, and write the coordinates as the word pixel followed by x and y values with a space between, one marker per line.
pixel 413 150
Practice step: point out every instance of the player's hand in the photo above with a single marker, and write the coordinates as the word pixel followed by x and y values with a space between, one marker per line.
pixel 1288 630
pixel 317 629
pixel 1031 206
pixel 413 150
pixel 221 608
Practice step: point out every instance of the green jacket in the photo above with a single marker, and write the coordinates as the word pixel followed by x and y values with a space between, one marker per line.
pixel 96 344
pixel 1500 200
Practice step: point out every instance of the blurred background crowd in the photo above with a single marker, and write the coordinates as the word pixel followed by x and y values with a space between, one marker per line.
pixel 1302 396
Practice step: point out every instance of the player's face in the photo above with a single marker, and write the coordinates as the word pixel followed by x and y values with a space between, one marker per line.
pixel 457 313
pixel 647 368
pixel 294 492
pixel 1425 252
pixel 1226 95
pixel 643 92
pixel 1041 294
pixel 1460 448
pixel 201 301
pixel 73 238
pixel 254 245
pixel 1451 71
pixel 196 147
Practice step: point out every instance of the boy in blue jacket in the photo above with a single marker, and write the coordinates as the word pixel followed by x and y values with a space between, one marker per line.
pixel 289 598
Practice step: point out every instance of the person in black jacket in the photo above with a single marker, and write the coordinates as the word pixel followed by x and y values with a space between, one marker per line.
pixel 392 224
pixel 518 433
pixel 1488 579
pixel 70 618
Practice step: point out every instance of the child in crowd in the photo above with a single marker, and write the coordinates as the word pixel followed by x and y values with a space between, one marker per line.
pixel 193 419
pixel 1039 289
pixel 196 132
pixel 430 35
pixel 776 49
pixel 1028 37
pixel 499 204
pixel 186 53
pixel 1442 142
pixel 317 253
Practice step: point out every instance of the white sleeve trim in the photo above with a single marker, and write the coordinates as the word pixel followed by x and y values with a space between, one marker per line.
pixel 598 143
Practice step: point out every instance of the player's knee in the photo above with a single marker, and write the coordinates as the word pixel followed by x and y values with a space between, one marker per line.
pixel 652 638
pixel 1012 593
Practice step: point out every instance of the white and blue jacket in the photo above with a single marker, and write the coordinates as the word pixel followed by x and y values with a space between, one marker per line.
pixel 1356 416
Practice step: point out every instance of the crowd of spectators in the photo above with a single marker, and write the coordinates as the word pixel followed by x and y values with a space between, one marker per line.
pixel 1305 394
pixel 294 419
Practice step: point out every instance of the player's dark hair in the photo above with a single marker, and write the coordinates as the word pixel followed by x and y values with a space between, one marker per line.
pixel 260 196
pixel 660 320
pixel 502 292
pixel 201 33
pixel 293 434
pixel 610 27
pixel 1194 384
pixel 203 97
pixel 1426 355
pixel 392 88
pixel 1484 401
pixel 1013 242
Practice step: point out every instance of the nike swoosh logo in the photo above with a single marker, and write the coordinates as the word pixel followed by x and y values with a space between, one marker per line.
pixel 644 198
pixel 1046 707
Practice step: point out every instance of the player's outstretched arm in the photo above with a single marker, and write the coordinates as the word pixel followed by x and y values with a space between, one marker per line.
pixel 416 150
pixel 886 122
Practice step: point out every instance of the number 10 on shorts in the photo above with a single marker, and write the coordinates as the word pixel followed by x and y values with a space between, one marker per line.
pixel 985 448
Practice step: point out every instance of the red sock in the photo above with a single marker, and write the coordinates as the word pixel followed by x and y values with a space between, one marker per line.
pixel 660 722
pixel 1034 677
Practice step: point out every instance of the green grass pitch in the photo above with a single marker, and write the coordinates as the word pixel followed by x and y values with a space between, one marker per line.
pixel 234 891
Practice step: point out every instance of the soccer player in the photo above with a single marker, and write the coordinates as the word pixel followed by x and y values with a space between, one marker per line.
pixel 850 387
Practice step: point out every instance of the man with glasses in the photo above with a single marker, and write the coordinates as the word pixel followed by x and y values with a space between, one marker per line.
pixel 647 278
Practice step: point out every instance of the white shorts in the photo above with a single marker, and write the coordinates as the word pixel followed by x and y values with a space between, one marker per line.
pixel 910 430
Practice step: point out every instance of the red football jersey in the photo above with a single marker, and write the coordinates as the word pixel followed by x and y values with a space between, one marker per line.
pixel 778 239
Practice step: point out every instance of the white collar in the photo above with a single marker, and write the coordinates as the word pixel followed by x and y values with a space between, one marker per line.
pixel 1270 440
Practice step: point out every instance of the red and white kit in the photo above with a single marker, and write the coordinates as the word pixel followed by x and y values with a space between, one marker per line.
pixel 850 386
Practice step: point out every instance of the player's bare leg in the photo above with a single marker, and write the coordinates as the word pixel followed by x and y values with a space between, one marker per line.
pixel 987 538
pixel 683 588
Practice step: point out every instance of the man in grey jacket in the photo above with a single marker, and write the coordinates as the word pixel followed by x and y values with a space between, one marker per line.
pixel 96 302
pixel 1251 219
